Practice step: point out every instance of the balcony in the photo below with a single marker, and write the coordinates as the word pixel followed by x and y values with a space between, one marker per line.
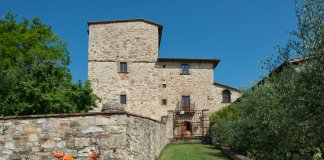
pixel 185 107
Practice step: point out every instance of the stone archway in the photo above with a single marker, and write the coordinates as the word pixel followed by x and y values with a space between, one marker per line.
pixel 185 129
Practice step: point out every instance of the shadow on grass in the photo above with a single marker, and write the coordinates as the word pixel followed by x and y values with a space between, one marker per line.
pixel 219 154
pixel 210 147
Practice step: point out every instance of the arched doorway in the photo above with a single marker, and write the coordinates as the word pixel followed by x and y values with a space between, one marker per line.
pixel 185 129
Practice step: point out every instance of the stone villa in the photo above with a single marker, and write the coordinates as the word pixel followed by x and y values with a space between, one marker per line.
pixel 146 101
pixel 127 72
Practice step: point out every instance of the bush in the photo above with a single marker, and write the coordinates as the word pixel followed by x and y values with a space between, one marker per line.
pixel 282 117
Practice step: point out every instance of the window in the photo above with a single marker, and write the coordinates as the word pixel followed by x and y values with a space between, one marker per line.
pixel 122 99
pixel 164 102
pixel 185 100
pixel 184 69
pixel 164 85
pixel 226 96
pixel 186 103
pixel 123 67
pixel 163 66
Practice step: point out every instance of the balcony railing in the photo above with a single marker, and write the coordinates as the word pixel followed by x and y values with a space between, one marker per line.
pixel 186 107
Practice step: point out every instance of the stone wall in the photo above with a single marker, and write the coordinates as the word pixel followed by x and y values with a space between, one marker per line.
pixel 145 138
pixel 218 98
pixel 198 85
pixel 118 135
pixel 139 84
pixel 136 43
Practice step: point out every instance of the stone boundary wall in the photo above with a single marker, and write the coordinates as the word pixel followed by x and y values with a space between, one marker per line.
pixel 233 155
pixel 117 135
pixel 145 138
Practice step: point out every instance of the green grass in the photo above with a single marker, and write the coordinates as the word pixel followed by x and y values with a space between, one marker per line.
pixel 191 152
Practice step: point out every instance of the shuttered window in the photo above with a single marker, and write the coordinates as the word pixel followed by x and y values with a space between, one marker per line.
pixel 123 67
pixel 184 69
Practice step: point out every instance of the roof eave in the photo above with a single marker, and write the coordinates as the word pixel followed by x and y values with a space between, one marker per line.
pixel 226 86
pixel 160 27
pixel 214 61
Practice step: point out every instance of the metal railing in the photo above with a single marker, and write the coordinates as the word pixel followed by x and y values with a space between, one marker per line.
pixel 190 125
pixel 186 107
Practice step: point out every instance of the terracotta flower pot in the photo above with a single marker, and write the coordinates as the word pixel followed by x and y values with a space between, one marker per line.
pixel 58 155
pixel 67 158
pixel 187 134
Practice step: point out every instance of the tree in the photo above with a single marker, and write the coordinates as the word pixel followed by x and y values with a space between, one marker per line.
pixel 282 117
pixel 34 78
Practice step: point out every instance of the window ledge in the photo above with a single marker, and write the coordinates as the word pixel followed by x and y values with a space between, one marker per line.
pixel 123 72
pixel 184 73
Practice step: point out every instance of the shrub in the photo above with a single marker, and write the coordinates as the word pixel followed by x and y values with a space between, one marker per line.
pixel 282 117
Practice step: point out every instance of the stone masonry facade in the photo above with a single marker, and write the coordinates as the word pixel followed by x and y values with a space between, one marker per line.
pixel 117 136
pixel 135 43
pixel 139 91
pixel 152 85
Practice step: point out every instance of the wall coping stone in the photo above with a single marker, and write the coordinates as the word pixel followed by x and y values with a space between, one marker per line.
pixel 233 155
pixel 75 115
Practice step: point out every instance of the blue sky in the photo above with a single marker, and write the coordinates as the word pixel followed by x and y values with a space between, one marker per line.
pixel 239 33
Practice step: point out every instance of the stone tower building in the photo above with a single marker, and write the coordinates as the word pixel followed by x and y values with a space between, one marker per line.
pixel 126 72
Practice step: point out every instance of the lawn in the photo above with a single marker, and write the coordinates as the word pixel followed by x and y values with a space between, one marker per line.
pixel 191 152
